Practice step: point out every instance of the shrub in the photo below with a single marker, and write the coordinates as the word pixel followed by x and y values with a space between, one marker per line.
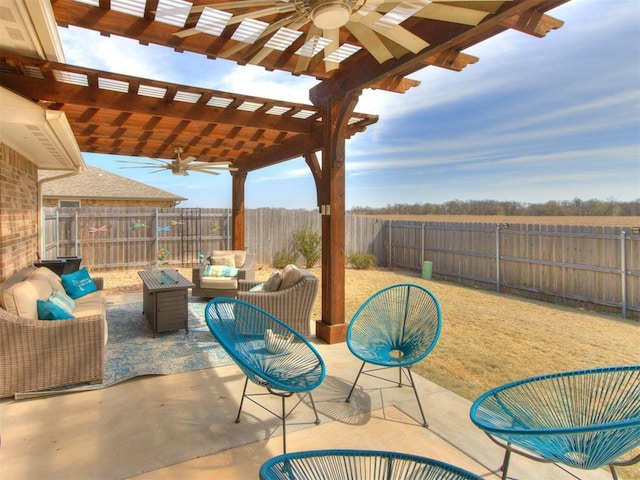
pixel 307 243
pixel 362 261
pixel 282 258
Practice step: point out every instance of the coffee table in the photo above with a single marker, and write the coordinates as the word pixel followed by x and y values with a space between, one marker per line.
pixel 164 301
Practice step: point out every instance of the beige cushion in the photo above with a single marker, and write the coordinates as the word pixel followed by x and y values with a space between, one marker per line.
pixel 98 296
pixel 219 282
pixel 46 275
pixel 226 260
pixel 21 299
pixel 290 276
pixel 274 281
pixel 43 288
pixel 239 257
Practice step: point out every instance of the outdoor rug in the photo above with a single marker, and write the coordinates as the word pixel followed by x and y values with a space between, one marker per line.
pixel 132 350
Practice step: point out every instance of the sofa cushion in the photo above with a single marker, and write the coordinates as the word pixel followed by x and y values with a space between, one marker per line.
pixel 63 300
pixel 225 260
pixel 99 296
pixel 78 283
pixel 43 288
pixel 46 275
pixel 274 281
pixel 50 311
pixel 219 282
pixel 239 257
pixel 21 299
pixel 290 276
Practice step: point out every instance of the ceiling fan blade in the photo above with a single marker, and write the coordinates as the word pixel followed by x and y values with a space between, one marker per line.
pixel 188 159
pixel 397 33
pixel 371 41
pixel 334 36
pixel 438 11
pixel 210 173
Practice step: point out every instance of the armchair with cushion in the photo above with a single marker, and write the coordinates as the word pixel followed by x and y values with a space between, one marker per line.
pixel 212 280
pixel 288 295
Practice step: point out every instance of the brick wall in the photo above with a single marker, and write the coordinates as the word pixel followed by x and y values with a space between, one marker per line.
pixel 18 212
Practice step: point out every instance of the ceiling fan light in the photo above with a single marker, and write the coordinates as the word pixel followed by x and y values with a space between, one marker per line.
pixel 330 14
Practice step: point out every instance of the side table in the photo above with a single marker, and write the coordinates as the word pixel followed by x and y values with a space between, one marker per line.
pixel 165 304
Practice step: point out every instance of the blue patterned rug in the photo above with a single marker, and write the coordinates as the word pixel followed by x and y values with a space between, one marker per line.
pixel 132 350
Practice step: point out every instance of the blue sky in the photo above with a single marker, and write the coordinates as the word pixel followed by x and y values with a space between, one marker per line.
pixel 534 120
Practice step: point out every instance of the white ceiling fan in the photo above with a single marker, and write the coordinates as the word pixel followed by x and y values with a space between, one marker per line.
pixel 376 24
pixel 181 166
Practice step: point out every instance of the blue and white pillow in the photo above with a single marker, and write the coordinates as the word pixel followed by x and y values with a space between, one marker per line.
pixel 78 284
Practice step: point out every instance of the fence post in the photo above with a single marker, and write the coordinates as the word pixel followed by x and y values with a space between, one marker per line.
pixel 422 248
pixel 153 260
pixel 623 273
pixel 57 233
pixel 76 242
pixel 228 229
pixel 498 259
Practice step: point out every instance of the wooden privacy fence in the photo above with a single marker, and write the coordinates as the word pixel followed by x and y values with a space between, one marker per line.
pixel 596 267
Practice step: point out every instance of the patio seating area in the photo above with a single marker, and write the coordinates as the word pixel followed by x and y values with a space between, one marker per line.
pixel 182 426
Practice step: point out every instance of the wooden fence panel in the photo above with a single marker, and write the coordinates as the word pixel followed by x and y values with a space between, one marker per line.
pixel 597 267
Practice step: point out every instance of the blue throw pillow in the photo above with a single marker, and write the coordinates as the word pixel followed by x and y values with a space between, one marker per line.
pixel 51 311
pixel 78 284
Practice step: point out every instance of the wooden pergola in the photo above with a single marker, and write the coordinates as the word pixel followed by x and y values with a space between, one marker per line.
pixel 381 44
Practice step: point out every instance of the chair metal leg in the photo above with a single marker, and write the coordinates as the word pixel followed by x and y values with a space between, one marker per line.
pixel 284 426
pixel 415 391
pixel 505 462
pixel 348 399
pixel 244 391
pixel 313 404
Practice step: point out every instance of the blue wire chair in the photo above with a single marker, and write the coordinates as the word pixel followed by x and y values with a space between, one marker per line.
pixel 396 327
pixel 270 353
pixel 585 419
pixel 359 464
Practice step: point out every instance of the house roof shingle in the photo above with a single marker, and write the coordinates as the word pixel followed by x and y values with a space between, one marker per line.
pixel 93 182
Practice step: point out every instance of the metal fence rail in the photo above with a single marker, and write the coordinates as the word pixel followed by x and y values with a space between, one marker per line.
pixel 593 267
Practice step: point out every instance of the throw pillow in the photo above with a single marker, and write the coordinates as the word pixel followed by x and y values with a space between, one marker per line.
pixel 207 271
pixel 228 260
pixel 78 284
pixel 258 288
pixel 63 300
pixel 273 282
pixel 51 311
pixel 290 276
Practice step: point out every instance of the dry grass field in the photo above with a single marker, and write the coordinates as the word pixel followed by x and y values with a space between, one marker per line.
pixel 597 221
pixel 487 338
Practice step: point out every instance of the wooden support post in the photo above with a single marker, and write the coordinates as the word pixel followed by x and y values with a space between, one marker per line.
pixel 335 116
pixel 237 210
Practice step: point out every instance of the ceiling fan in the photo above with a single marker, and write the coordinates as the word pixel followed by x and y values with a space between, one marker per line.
pixel 376 24
pixel 181 166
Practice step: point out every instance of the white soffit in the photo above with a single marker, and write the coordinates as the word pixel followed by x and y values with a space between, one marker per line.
pixel 28 27
pixel 42 136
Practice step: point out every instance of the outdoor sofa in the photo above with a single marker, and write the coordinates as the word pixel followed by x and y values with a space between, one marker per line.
pixel 212 285
pixel 44 354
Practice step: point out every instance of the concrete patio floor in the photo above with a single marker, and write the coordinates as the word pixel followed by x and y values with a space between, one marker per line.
pixel 182 426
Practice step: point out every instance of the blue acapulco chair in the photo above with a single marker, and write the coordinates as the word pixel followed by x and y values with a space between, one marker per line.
pixel 585 419
pixel 396 327
pixel 270 353
pixel 359 464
